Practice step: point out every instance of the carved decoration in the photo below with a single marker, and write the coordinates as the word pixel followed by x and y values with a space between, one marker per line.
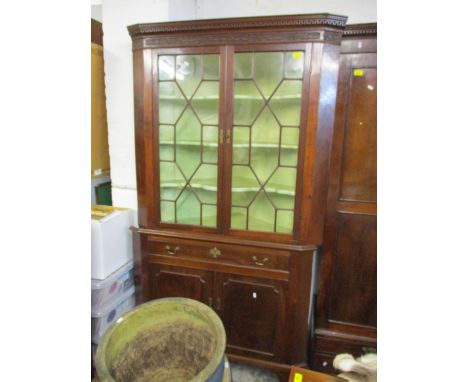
pixel 226 38
pixel 324 20
pixel 360 30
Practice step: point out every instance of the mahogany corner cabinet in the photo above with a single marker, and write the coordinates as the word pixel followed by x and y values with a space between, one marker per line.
pixel 233 131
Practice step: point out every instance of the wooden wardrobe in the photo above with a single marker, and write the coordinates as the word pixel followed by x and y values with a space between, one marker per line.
pixel 233 132
pixel 346 311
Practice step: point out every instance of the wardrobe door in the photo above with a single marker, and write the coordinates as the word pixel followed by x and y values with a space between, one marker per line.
pixel 347 297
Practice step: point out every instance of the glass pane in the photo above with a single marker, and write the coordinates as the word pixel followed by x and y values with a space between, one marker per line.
pixel 210 144
pixel 244 185
pixel 205 102
pixel 188 97
pixel 261 214
pixel 209 215
pixel 172 181
pixel 281 187
pixel 289 146
pixel 188 73
pixel 239 217
pixel 294 64
pixel 284 221
pixel 268 71
pixel 204 183
pixel 265 145
pixel 286 103
pixel 166 143
pixel 171 102
pixel 188 208
pixel 243 65
pixel 241 144
pixel 247 102
pixel 166 68
pixel 168 212
pixel 211 67
pixel 188 143
pixel 265 140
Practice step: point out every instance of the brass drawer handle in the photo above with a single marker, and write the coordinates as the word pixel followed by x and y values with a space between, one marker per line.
pixel 168 249
pixel 258 262
pixel 215 252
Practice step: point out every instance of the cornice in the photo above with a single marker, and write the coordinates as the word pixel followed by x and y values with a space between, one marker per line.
pixel 357 30
pixel 290 21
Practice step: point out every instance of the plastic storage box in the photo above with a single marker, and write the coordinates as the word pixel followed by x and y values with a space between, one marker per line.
pixel 111 240
pixel 103 317
pixel 112 287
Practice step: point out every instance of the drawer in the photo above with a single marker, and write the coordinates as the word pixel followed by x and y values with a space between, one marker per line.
pixel 261 258
pixel 336 346
pixel 324 363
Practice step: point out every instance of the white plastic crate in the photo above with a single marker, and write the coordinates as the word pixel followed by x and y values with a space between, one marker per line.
pixel 111 240
pixel 112 287
pixel 102 318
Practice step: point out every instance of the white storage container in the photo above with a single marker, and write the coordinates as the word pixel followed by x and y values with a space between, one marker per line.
pixel 112 287
pixel 102 318
pixel 111 240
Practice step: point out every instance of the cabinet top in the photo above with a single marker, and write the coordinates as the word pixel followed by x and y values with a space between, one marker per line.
pixel 360 30
pixel 323 20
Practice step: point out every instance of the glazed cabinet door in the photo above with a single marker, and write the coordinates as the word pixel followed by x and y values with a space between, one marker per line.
pixel 267 120
pixel 253 313
pixel 187 114
pixel 175 281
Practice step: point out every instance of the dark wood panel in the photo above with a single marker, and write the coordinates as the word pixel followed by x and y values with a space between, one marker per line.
pixel 335 343
pixel 170 281
pixel 353 293
pixel 359 167
pixel 96 32
pixel 328 344
pixel 253 312
pixel 346 315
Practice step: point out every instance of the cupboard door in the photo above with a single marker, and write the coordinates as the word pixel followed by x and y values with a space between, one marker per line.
pixel 188 93
pixel 267 105
pixel 174 281
pixel 347 298
pixel 253 313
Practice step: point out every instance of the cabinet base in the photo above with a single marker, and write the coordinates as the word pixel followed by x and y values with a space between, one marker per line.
pixel 327 344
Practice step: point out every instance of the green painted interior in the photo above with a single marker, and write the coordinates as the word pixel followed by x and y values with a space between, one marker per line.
pixel 265 139
pixel 188 138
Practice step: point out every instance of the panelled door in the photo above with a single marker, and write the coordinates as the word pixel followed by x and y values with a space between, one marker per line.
pixel 175 281
pixel 348 290
pixel 253 312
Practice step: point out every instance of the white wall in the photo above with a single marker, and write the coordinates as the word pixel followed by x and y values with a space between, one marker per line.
pixel 118 14
pixel 96 12
pixel 358 11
